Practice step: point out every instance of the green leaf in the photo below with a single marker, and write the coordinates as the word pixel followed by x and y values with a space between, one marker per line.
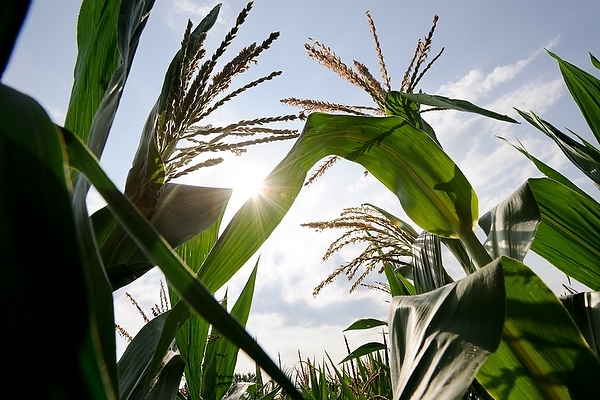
pixel 160 253
pixel 182 212
pixel 435 195
pixel 583 155
pixel 585 90
pixel 224 352
pixel 365 323
pixel 570 221
pixel 542 354
pixel 441 338
pixel 428 270
pixel 545 168
pixel 398 105
pixel 363 350
pixel 133 363
pixel 399 285
pixel 595 61
pixel 108 34
pixel 511 225
pixel 193 335
pixel 44 284
pixel 343 380
pixel 584 308
pixel 167 385
pixel 454 104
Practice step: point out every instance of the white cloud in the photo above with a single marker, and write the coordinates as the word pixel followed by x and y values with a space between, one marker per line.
pixel 193 9
pixel 476 84
pixel 538 96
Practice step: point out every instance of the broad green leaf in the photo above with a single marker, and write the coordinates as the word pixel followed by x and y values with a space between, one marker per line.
pixel 169 380
pixel 108 34
pixel 365 323
pixel 440 339
pixel 193 335
pixel 511 225
pixel 224 353
pixel 133 365
pixel 398 105
pixel 546 169
pixel 542 354
pixel 585 90
pixel 584 308
pixel 363 350
pixel 160 253
pixel 570 221
pixel 595 61
pixel 399 285
pixel 435 195
pixel 583 155
pixel 46 296
pixel 134 361
pixel 454 104
pixel 428 271
pixel 182 212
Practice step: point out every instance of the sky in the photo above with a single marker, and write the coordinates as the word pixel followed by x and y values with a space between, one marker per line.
pixel 494 57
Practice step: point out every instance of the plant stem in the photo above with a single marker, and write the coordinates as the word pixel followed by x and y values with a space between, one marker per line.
pixel 475 249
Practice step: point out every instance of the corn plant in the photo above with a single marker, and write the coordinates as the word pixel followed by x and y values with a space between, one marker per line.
pixel 534 350
pixel 439 339
pixel 138 229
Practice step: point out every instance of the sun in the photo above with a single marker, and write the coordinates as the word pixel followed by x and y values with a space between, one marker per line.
pixel 247 185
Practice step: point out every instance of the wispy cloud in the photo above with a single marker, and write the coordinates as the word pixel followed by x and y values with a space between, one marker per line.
pixel 192 10
pixel 477 84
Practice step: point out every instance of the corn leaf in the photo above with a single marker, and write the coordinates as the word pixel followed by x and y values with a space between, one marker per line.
pixel 569 220
pixel 542 354
pixel 160 253
pixel 546 169
pixel 108 34
pixel 595 61
pixel 511 225
pixel 222 352
pixel 454 104
pixel 363 350
pixel 365 323
pixel 133 363
pixel 583 155
pixel 584 308
pixel 585 90
pixel 182 212
pixel 434 194
pixel 193 335
pixel 399 285
pixel 51 285
pixel 428 270
pixel 440 339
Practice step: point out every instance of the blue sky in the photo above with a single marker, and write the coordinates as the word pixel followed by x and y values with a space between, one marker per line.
pixel 494 57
